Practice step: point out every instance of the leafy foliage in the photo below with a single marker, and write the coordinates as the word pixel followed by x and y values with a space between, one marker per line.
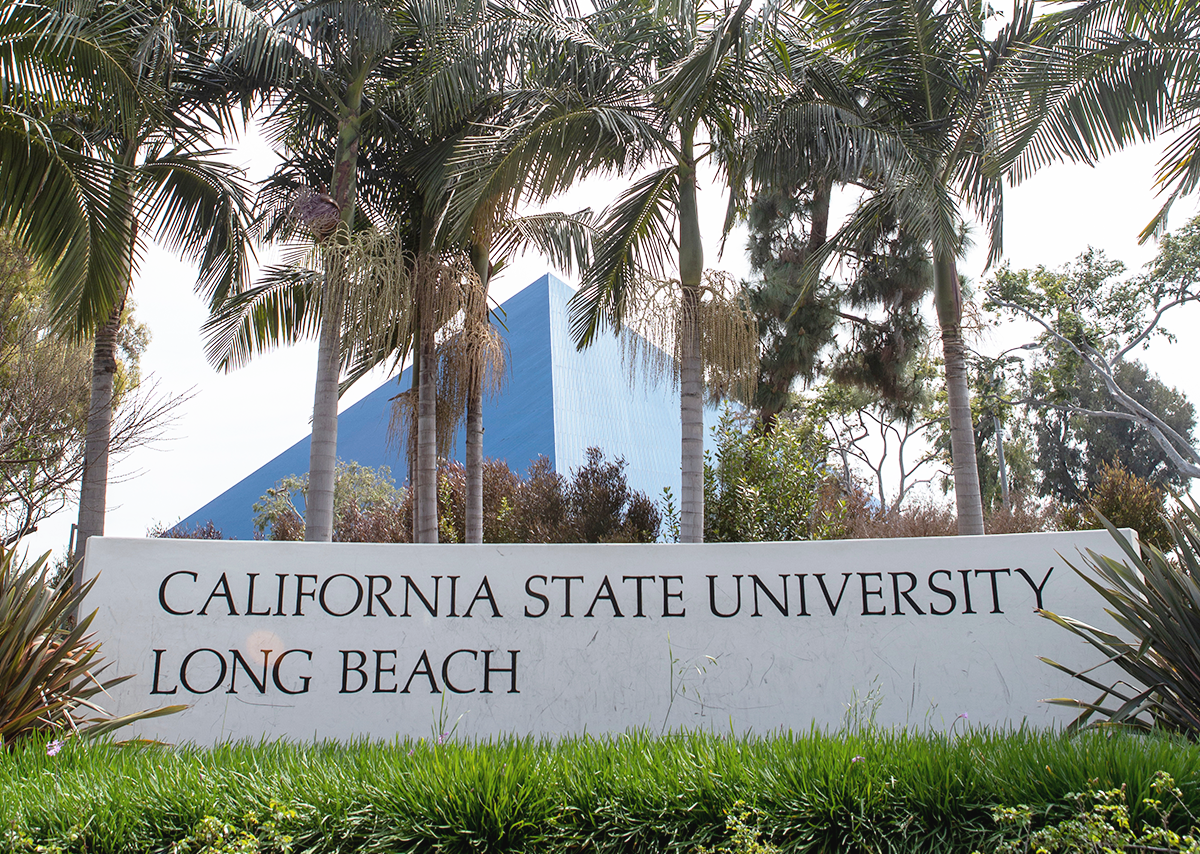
pixel 1102 824
pixel 1090 402
pixel 1155 600
pixel 207 531
pixel 367 507
pixel 761 486
pixel 1127 501
pixel 999 426
pixel 744 837
pixel 594 505
pixel 876 310
pixel 49 670
pixel 44 397
pixel 1072 449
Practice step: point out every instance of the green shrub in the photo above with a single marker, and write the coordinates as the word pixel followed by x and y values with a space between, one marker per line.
pixel 367 507
pixel 767 486
pixel 594 505
pixel 1101 825
pixel 1127 501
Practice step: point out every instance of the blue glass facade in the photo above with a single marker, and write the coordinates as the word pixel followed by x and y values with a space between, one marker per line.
pixel 557 402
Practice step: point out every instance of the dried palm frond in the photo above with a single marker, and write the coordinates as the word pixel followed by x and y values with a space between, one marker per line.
pixel 402 425
pixel 442 282
pixel 449 290
pixel 472 353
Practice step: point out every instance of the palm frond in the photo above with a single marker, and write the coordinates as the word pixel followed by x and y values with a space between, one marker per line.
pixel 683 87
pixel 545 151
pixel 200 207
pixel 58 59
pixel 635 239
pixel 565 239
pixel 285 307
pixel 64 208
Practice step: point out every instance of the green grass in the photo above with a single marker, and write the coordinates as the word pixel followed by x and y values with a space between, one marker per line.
pixel 909 792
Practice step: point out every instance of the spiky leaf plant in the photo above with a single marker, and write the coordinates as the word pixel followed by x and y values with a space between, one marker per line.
pixel 1155 599
pixel 49 671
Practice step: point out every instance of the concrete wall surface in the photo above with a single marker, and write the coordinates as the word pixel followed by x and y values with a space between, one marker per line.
pixel 319 640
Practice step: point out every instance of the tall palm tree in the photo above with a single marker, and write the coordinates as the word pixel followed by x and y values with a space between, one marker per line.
pixel 967 112
pixel 660 87
pixel 706 88
pixel 960 108
pixel 563 238
pixel 107 83
pixel 396 82
pixel 327 72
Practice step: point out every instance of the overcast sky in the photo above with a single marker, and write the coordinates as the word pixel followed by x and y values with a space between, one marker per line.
pixel 235 422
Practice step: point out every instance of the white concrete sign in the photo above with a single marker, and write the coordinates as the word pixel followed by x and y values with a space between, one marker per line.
pixel 314 640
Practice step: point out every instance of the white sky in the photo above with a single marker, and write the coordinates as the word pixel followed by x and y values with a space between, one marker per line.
pixel 235 422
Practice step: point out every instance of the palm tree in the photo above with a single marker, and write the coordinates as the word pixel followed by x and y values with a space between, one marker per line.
pixel 563 238
pixel 960 109
pixel 328 72
pixel 417 75
pixel 135 155
pixel 641 85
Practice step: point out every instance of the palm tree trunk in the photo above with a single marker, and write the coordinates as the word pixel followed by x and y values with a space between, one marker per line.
pixel 93 490
pixel 948 298
pixel 476 314
pixel 322 461
pixel 426 479
pixel 425 527
pixel 691 363
pixel 93 487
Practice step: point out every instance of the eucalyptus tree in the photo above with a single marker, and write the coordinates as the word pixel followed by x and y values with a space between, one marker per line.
pixel 121 144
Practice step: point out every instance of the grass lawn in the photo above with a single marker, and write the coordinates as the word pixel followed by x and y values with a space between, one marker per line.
pixel 805 791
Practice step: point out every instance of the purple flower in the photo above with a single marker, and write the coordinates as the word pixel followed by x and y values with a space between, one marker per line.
pixel 443 738
pixel 857 759
pixel 53 747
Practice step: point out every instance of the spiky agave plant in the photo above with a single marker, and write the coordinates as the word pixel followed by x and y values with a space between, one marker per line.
pixel 1155 599
pixel 49 670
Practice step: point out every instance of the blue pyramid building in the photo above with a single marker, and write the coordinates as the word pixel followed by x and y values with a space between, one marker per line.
pixel 557 402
